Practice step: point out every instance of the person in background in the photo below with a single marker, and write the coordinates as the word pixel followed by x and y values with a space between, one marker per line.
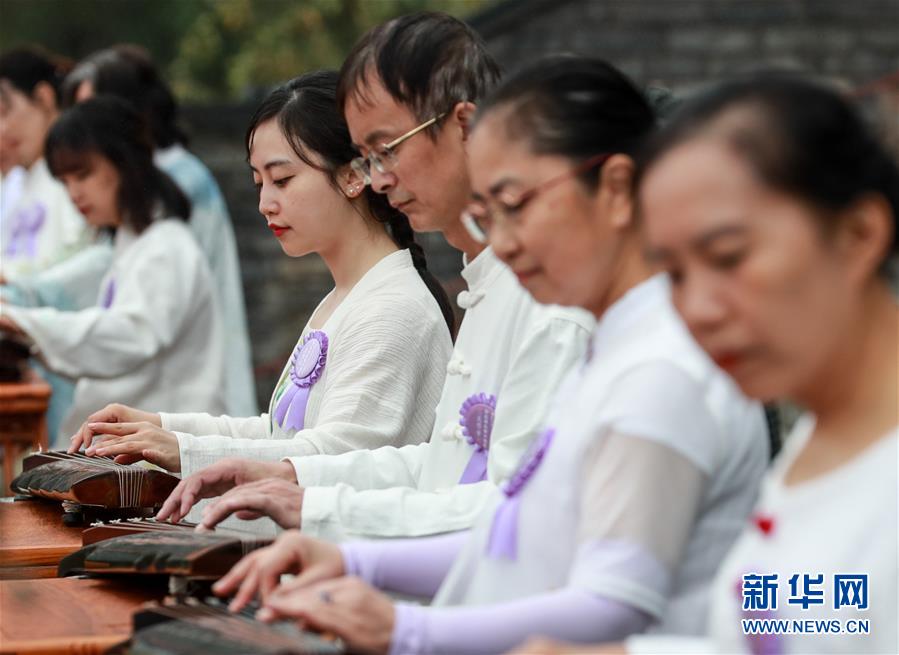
pixel 42 227
pixel 12 178
pixel 127 71
pixel 154 333
pixel 773 207
pixel 42 234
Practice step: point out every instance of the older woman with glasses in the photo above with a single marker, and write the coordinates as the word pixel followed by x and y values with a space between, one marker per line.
pixel 774 207
pixel 650 459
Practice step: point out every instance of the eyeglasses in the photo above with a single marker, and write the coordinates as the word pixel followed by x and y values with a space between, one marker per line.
pixel 383 157
pixel 481 216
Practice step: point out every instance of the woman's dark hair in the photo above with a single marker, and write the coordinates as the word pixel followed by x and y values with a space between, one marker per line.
pixel 799 136
pixel 28 66
pixel 575 107
pixel 309 119
pixel 127 71
pixel 110 127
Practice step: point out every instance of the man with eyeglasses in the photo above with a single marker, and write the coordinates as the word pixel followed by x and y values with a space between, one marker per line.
pixel 409 89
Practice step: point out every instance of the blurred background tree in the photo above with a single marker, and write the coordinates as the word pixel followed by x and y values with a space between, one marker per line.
pixel 212 50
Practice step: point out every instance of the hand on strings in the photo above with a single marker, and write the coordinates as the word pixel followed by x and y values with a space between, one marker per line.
pixel 259 573
pixel 543 646
pixel 279 499
pixel 219 478
pixel 348 608
pixel 132 442
pixel 114 413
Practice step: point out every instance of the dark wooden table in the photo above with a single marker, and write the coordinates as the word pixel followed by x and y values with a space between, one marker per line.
pixel 33 539
pixel 69 615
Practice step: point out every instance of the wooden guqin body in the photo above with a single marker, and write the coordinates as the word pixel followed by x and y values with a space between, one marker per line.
pixel 102 530
pixel 93 481
pixel 155 548
pixel 192 626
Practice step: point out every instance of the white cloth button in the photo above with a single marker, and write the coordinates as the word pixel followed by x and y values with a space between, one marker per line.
pixel 468 299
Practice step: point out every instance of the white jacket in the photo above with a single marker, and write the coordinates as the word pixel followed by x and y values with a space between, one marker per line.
pixel 159 344
pixel 387 347
pixel 509 346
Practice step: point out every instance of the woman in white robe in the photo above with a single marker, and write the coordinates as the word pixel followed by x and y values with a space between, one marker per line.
pixel 155 334
pixel 42 227
pixel 128 71
pixel 369 365
pixel 774 207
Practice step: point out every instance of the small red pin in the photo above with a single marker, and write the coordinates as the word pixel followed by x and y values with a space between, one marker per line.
pixel 764 523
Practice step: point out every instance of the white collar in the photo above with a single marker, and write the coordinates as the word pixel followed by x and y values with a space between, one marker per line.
pixel 124 238
pixel 165 157
pixel 618 318
pixel 39 173
pixel 479 272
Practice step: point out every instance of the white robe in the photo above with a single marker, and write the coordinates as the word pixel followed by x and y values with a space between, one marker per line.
pixel 508 345
pixel 387 347
pixel 841 523
pixel 654 467
pixel 158 346
pixel 12 183
pixel 211 225
pixel 62 231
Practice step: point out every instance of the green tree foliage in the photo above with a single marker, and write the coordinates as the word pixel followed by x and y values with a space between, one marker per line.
pixel 212 49
pixel 75 28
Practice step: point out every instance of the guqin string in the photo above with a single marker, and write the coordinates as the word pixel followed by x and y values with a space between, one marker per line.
pixel 130 478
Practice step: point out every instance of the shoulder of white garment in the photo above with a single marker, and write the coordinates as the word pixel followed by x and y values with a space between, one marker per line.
pixel 391 294
pixel 643 335
pixel 557 314
pixel 165 238
pixel 645 314
pixel 394 279
pixel 173 231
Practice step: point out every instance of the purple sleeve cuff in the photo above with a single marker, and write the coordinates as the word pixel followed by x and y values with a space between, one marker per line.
pixel 409 635
pixel 415 567
pixel 569 614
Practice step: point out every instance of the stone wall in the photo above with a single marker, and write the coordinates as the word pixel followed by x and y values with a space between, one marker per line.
pixel 680 43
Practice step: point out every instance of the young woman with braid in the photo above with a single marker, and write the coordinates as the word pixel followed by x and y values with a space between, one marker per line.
pixel 369 365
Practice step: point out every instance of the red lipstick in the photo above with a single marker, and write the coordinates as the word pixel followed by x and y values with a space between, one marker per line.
pixel 727 361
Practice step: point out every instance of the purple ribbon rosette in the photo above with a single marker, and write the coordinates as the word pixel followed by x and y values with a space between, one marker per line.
pixel 27 223
pixel 308 362
pixel 476 419
pixel 503 541
pixel 108 294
